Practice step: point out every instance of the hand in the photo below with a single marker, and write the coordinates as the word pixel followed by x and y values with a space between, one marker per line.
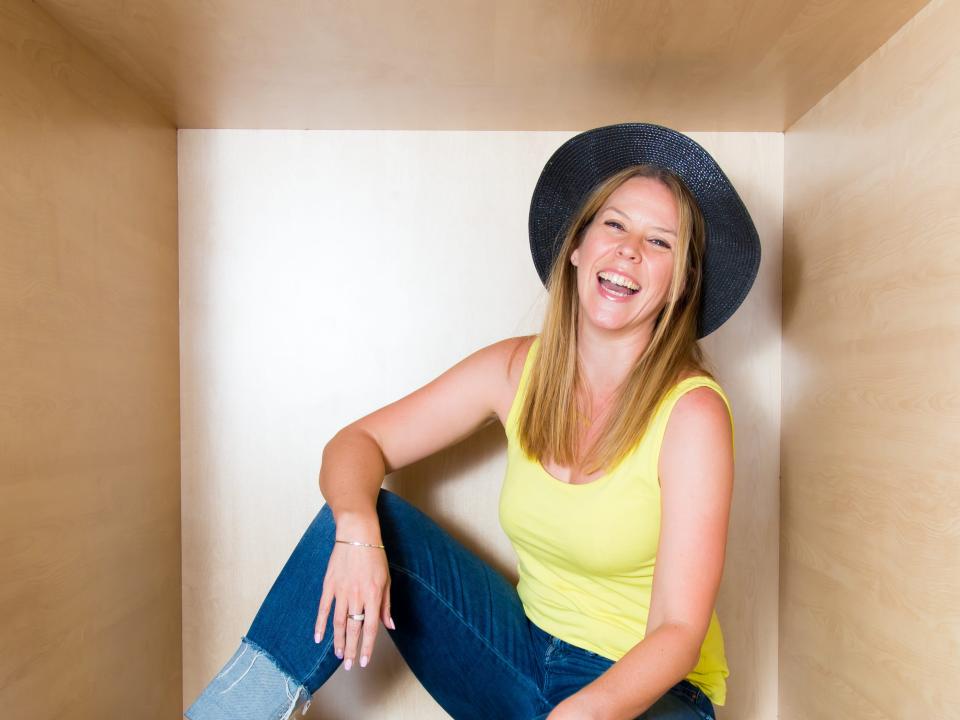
pixel 357 581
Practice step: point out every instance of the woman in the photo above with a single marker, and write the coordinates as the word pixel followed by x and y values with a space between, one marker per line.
pixel 620 469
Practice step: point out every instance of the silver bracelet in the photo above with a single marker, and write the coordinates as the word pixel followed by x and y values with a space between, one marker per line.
pixel 351 542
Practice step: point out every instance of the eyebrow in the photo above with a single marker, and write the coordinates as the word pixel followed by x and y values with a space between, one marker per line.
pixel 655 227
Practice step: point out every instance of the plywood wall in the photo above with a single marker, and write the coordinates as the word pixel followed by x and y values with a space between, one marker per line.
pixel 89 451
pixel 325 274
pixel 494 65
pixel 870 559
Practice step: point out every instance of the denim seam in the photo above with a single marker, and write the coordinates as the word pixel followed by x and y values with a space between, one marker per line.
pixel 692 702
pixel 242 676
pixel 227 669
pixel 287 675
pixel 552 648
pixel 323 654
pixel 462 619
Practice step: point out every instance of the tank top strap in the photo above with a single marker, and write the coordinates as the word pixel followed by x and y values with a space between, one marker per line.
pixel 658 424
pixel 513 415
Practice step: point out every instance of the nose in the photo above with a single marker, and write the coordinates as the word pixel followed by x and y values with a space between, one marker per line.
pixel 628 251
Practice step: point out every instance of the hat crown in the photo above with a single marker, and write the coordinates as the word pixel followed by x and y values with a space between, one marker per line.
pixel 732 257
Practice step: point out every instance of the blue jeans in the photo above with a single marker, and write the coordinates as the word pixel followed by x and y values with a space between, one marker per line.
pixel 460 628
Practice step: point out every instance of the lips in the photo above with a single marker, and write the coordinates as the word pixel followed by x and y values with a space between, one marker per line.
pixel 618 271
pixel 612 296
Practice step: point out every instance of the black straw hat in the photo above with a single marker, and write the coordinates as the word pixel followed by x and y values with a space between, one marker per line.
pixel 732 243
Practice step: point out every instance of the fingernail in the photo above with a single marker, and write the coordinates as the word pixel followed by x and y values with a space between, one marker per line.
pixel 339 653
pixel 347 663
pixel 316 637
pixel 393 625
pixel 364 660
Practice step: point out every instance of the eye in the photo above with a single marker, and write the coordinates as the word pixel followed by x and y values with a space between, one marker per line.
pixel 662 243
pixel 614 223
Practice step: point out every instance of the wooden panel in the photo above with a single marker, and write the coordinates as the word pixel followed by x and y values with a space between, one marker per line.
pixel 746 351
pixel 280 349
pixel 483 64
pixel 870 562
pixel 89 445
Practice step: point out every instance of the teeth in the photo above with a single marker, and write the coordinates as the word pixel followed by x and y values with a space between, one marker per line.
pixel 619 279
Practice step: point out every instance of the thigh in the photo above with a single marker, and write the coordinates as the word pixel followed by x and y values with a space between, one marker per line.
pixel 461 627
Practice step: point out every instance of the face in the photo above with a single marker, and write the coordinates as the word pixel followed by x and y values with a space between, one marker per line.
pixel 633 236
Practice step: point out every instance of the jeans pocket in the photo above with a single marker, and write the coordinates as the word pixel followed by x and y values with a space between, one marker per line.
pixel 569 668
pixel 695 698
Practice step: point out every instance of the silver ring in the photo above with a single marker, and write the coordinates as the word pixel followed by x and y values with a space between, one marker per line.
pixel 355 616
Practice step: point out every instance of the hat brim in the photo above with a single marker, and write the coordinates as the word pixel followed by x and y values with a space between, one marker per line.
pixel 732 244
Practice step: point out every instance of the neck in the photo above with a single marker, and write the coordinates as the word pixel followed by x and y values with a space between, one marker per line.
pixel 606 357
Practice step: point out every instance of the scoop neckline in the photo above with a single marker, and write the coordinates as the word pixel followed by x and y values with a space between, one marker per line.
pixel 550 478
pixel 541 470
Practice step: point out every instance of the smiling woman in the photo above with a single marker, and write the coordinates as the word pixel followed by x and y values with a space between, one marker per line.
pixel 643 226
pixel 625 252
pixel 619 471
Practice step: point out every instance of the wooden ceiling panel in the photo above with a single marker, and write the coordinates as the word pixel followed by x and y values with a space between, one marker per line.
pixel 483 64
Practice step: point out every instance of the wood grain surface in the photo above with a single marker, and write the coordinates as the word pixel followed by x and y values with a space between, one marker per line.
pixel 316 287
pixel 730 65
pixel 870 557
pixel 852 614
pixel 89 426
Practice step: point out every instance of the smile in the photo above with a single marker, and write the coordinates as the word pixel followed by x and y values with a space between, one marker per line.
pixel 613 292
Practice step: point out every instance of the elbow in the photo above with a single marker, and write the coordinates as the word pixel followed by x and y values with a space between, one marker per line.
pixel 354 441
pixel 342 435
pixel 327 454
pixel 326 447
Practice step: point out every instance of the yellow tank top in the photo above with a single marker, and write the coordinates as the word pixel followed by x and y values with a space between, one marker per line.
pixel 586 553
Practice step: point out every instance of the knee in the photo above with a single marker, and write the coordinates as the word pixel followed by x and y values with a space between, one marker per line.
pixel 387 498
pixel 399 519
pixel 325 514
pixel 391 510
pixel 392 507
pixel 387 501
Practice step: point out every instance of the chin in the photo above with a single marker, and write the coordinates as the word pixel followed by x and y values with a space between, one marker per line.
pixel 608 323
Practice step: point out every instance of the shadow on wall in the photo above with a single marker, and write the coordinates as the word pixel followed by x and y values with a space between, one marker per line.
pixel 424 482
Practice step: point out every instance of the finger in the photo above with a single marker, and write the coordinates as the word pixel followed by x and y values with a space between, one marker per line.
pixel 371 625
pixel 326 599
pixel 339 625
pixel 353 634
pixel 385 608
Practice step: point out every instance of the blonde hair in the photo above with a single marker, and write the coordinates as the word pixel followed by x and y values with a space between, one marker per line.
pixel 546 427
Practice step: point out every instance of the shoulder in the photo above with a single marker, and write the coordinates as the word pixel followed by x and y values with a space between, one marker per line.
pixel 702 403
pixel 702 397
pixel 697 442
pixel 700 418
pixel 707 395
pixel 696 404
pixel 514 355
pixel 504 359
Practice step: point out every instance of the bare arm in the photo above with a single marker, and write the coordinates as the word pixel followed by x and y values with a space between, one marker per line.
pixel 351 474
pixel 358 457
pixel 448 409
pixel 696 474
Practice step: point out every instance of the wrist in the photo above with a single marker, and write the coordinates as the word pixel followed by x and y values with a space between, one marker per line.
pixel 356 543
pixel 357 526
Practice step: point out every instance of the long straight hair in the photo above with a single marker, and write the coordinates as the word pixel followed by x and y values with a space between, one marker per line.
pixel 546 427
